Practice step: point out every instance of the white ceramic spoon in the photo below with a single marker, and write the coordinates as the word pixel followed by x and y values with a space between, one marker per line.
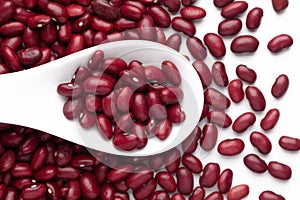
pixel 29 98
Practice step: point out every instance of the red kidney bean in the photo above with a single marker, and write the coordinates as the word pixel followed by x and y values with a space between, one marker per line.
pixel 233 9
pixel 63 154
pixel 221 3
pixel 21 170
pixel 74 10
pixel 122 24
pixel 133 80
pixel 46 54
pixel 192 163
pixel 11 29
pixel 104 10
pixel 209 137
pixel 139 178
pixel 182 25
pixel 214 195
pixel 139 107
pixel 72 108
pixel 270 119
pixel 107 192
pixel 197 194
pixel 175 113
pixel 108 104
pixel 59 48
pixel 83 160
pixel 185 181
pixel 171 72
pixel 7 9
pixel 255 163
pixel 245 73
pixel 7 160
pixel 243 122
pixel 171 94
pixel 215 45
pixel 48 33
pixel 279 170
pixel 289 143
pixel 145 190
pixel 231 147
pixel 172 160
pixel 269 195
pixel 156 108
pixel 34 192
pixel 22 183
pixel 216 99
pixel 280 42
pixel 76 44
pixel 219 118
pixel 38 21
pixel 124 99
pixel 160 16
pixel 121 187
pixel 126 141
pixel 261 142
pixel 225 181
pixel 22 15
pixel 163 129
pixel 238 192
pixel 115 36
pixel 139 130
pixel 10 58
pixel 15 42
pixel 39 158
pixel 280 5
pixel 29 144
pixel 53 190
pixel 146 28
pixel 138 4
pixel 29 56
pixel 196 48
pixel 92 103
pixel 210 175
pixel 219 74
pixel 172 5
pixel 177 196
pixel 10 138
pixel 104 126
pixel 64 32
pixel 29 4
pixel 280 86
pixel 229 27
pixel 124 122
pixel 57 11
pixel 89 185
pixel 98 85
pixel 203 72
pixel 88 36
pixel 174 41
pixel 244 44
pixel 131 12
pixel 190 144
pixel 50 160
pixel 256 98
pixel 113 65
pixel 205 111
pixel 11 193
pixel 253 19
pixel 67 173
pixel 235 90
pixel 82 23
pixel 101 25
pixel 159 195
pixel 192 12
pixel 46 173
pixel 73 190
pixel 119 173
pixel 166 181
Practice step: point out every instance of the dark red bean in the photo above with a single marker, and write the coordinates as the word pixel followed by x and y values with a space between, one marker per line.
pixel 53 190
pixel 203 72
pixel 279 170
pixel 63 155
pixel 146 28
pixel 225 181
pixel 22 183
pixel 221 3
pixel 72 108
pixel 12 193
pixel 219 118
pixel 255 163
pixel 48 33
pixel 46 54
pixel 145 190
pixel 280 86
pixel 15 42
pixel 133 80
pixel 209 137
pixel 22 15
pixel 233 9
pixel 108 105
pixel 46 173
pixel 126 141
pixel 177 196
pixel 73 190
pixel 76 44
pixel 269 195
pixel 34 192
pixel 7 160
pixel 159 194
pixel 107 192
pixel 219 74
pixel 105 11
pixel 67 173
pixel 244 44
pixel 57 11
pixel 175 113
pixel 156 107
pixel 29 4
pixel 246 74
pixel 256 98
pixel 235 90
pixel 254 18
pixel 98 85
pixel 124 122
pixel 160 16
pixel 138 4
pixel 139 178
pixel 124 99
pixel 163 129
pixel 131 12
pixel 21 170
pixel 38 21
pixel 7 9
pixel 59 48
pixel 192 12
pixel 139 107
pixel 210 175
pixel 29 144
pixel 29 56
pixel 185 181
pixel 197 194
pixel 89 185
pixel 96 59
pixel 280 42
pixel 192 163
pixel 166 181
pixel 196 48
pixel 171 94
pixel 215 45
pixel 280 5
pixel 174 41
pixel 171 72
pixel 270 119
pixel 92 103
pixel 119 173
pixel 39 158
pixel 182 25
pixel 172 160
pixel 11 29
pixel 83 160
pixel 122 24
pixel 190 144
pixel 10 58
pixel 113 65
pixel 216 99
pixel 238 192
pixel 172 5
pixel 231 147
pixel 243 122
pixel 74 10
pixel 261 142
pixel 82 23
pixel 229 27
pixel 101 25
pixel 214 195
pixel 104 126
pixel 289 143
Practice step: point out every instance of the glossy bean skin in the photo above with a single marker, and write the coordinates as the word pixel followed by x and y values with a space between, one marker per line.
pixel 29 56
pixel 238 192
pixel 196 48
pixel 160 16
pixel 104 126
pixel 177 196
pixel 171 72
pixel 139 177
pixel 126 142
pixel 280 86
pixel 166 181
pixel 174 41
pixel 192 163
pixel 254 17
pixel 185 181
pixel 145 190
pixel 244 44
pixel 233 9
pixel 261 142
pixel 219 74
pixel 255 163
pixel 175 113
pixel 203 72
pixel 280 5
pixel 256 98
pixel 189 145
pixel 289 143
pixel 225 181
pixel 221 3
pixel 192 12
pixel 156 107
pixel 131 12
pixel 229 27
pixel 182 25
pixel 210 175
pixel 159 194
pixel 146 29
pixel 214 195
pixel 119 173
pixel 139 107
pixel 215 45
pixel 235 90
pixel 269 195
pixel 10 58
pixel 46 173
pixel 270 119
pixel 197 194
pixel 243 122
pixel 280 42
pixel 72 108
pixel 231 147
pixel 89 185
pixel 7 160
pixel 34 192
pixel 219 118
pixel 173 6
pixel 279 170
pixel 209 137
pixel 171 95
pixel 57 11
pixel 7 9
pixel 245 73
pixel 216 99
pixel 172 161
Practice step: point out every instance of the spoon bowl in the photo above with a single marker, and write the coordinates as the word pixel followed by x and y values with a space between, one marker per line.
pixel 29 97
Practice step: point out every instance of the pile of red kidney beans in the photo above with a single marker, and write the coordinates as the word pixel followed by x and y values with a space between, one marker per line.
pixel 36 165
